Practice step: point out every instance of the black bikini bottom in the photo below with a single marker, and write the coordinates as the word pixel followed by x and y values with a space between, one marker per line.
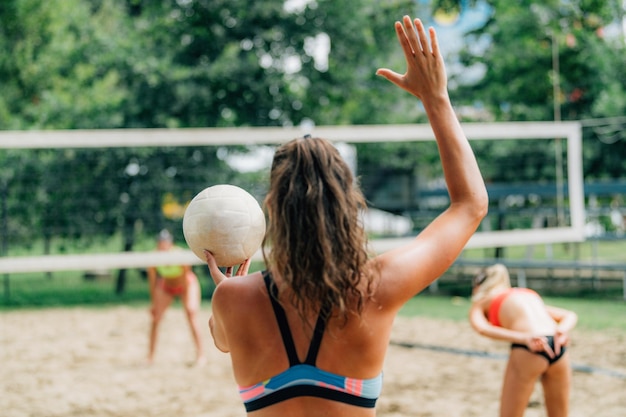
pixel 543 353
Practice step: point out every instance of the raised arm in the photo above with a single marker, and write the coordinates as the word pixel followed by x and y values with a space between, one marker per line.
pixel 414 266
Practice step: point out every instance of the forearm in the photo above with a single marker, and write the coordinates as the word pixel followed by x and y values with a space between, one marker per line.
pixel 500 333
pixel 567 323
pixel 461 171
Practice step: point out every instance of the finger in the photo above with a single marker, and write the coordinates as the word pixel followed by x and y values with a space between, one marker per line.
pixel 434 41
pixel 404 41
pixel 390 75
pixel 244 267
pixel 411 35
pixel 229 271
pixel 216 273
pixel 558 344
pixel 547 348
pixel 423 39
pixel 210 260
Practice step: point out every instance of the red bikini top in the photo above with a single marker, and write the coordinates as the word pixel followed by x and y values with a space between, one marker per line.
pixel 496 303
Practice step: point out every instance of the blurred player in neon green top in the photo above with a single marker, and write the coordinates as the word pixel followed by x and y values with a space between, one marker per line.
pixel 168 282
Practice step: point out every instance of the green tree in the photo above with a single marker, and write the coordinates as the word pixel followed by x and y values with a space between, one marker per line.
pixel 108 64
pixel 237 63
pixel 551 60
pixel 58 74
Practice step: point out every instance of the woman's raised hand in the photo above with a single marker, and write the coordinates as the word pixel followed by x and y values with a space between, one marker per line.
pixel 425 74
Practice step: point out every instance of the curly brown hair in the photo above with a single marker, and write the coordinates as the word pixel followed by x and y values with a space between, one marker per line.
pixel 317 239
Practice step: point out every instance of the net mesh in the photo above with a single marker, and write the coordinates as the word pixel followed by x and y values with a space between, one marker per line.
pixel 76 200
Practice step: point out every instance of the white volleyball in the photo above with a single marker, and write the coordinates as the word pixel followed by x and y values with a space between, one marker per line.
pixel 227 221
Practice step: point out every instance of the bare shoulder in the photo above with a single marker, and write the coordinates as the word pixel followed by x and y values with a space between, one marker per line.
pixel 403 272
pixel 240 310
pixel 237 291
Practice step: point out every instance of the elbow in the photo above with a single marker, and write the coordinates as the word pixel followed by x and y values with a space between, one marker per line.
pixel 219 345
pixel 482 203
pixel 220 348
pixel 481 330
pixel 473 202
pixel 477 328
pixel 477 208
pixel 481 210
pixel 474 209
pixel 484 332
pixel 480 206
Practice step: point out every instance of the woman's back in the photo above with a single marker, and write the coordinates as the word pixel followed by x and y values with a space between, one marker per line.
pixel 524 310
pixel 354 349
pixel 538 335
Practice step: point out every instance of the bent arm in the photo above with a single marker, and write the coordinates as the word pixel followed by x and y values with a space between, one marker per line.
pixel 566 320
pixel 216 325
pixel 217 333
pixel 481 325
pixel 411 268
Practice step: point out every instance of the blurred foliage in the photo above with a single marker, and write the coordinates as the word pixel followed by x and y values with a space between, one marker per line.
pixel 78 64
pixel 553 60
pixel 58 66
pixel 105 64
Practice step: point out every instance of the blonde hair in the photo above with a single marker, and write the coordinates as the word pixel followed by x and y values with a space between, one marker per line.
pixel 496 277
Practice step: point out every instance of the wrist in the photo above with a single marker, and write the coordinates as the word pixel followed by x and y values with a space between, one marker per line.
pixel 436 100
pixel 561 330
pixel 438 107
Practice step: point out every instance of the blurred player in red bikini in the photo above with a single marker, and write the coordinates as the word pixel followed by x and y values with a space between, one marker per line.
pixel 538 334
pixel 168 282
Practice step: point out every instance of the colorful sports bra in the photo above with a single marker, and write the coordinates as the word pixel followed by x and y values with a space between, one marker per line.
pixel 170 271
pixel 304 378
pixel 496 303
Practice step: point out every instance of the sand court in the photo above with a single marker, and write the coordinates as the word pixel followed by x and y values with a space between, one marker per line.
pixel 90 362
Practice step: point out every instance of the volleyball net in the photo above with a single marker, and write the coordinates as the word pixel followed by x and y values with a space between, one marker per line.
pixel 85 199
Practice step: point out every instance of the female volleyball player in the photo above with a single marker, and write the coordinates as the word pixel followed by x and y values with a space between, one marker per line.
pixel 166 283
pixel 308 337
pixel 538 335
